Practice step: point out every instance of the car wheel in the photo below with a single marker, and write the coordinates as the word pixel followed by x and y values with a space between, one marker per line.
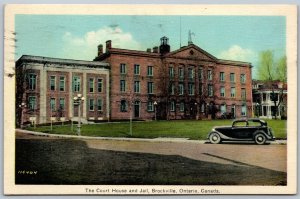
pixel 215 138
pixel 260 139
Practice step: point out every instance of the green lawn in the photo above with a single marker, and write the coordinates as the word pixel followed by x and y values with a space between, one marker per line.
pixel 152 129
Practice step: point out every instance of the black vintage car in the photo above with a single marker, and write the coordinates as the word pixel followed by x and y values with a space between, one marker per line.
pixel 242 130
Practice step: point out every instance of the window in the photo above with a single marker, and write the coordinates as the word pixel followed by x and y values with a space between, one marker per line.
pixel 210 90
pixel 52 83
pixel 171 72
pixel 150 87
pixel 171 88
pixel 122 85
pixel 100 85
pixel 122 68
pixel 62 104
pixel 209 75
pixel 243 78
pixel 244 110
pixel 223 108
pixel 91 104
pixel 274 96
pixel 62 83
pixel 32 81
pixel 52 104
pixel 200 88
pixel 191 89
pixel 150 106
pixel 136 86
pixel 136 69
pixel 91 85
pixel 232 92
pixel 200 73
pixel 222 76
pixel 150 71
pixel 222 91
pixel 264 97
pixel 123 107
pixel 191 73
pixel 202 109
pixel 172 106
pixel 243 93
pixel 181 107
pixel 181 73
pixel 99 104
pixel 181 88
pixel 232 77
pixel 76 84
pixel 32 103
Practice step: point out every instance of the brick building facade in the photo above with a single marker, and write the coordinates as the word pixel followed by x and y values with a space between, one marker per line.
pixel 47 87
pixel 188 83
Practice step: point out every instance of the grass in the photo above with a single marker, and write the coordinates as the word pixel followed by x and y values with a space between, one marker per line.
pixel 152 129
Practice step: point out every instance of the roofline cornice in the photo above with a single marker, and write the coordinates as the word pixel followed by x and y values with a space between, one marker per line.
pixel 48 60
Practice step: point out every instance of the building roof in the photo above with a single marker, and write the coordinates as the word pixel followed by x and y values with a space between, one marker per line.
pixel 171 54
pixel 269 84
pixel 44 60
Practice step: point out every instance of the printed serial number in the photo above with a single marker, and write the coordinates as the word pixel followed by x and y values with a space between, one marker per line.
pixel 27 172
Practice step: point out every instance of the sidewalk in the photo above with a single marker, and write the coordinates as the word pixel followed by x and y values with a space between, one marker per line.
pixel 160 139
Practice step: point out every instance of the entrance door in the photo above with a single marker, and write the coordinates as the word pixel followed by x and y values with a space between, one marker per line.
pixel 233 111
pixel 137 109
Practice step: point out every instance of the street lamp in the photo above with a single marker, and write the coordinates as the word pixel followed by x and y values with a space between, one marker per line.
pixel 22 106
pixel 196 110
pixel 77 101
pixel 155 104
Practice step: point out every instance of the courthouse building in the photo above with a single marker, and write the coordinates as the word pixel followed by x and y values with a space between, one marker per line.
pixel 47 87
pixel 188 83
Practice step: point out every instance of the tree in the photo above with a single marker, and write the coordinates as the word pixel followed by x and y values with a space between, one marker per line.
pixel 199 86
pixel 273 71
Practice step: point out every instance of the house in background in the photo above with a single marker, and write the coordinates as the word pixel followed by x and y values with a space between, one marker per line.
pixel 269 99
pixel 46 88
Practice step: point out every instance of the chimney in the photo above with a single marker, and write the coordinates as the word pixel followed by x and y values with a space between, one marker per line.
pixel 148 50
pixel 108 45
pixel 155 49
pixel 100 49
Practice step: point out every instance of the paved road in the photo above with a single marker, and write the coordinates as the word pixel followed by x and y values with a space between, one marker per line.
pixel 267 161
pixel 266 156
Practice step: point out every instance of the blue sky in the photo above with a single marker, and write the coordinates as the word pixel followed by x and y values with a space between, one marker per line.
pixel 238 38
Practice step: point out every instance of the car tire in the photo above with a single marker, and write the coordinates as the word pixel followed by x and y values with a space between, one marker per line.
pixel 215 138
pixel 260 139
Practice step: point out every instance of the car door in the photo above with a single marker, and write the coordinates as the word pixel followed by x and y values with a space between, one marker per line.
pixel 240 130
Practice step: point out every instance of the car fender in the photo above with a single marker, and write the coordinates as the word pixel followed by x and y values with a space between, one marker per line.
pixel 223 137
pixel 261 132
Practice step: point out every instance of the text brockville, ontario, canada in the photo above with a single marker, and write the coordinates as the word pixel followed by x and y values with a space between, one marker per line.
pixel 151 191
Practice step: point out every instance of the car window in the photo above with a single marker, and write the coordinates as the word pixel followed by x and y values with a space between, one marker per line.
pixel 253 123
pixel 240 124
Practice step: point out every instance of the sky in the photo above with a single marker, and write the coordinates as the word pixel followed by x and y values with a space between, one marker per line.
pixel 239 38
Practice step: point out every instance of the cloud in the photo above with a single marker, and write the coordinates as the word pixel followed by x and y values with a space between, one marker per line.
pixel 85 47
pixel 238 53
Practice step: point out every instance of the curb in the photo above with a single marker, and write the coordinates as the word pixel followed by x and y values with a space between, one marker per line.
pixel 160 139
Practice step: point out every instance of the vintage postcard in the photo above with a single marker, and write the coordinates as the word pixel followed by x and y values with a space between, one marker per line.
pixel 150 99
